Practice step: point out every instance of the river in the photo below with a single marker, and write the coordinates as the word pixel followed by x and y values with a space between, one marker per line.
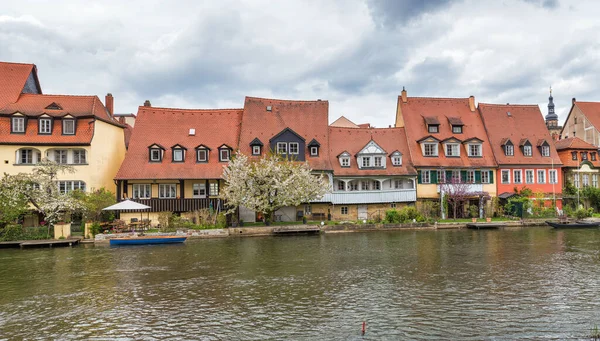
pixel 517 284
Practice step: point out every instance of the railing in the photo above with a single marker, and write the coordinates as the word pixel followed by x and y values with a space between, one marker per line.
pixel 369 197
pixel 180 205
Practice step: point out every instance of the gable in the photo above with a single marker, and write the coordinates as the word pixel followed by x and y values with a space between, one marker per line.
pixel 54 106
pixel 372 148
pixel 344 154
pixel 451 140
pixel 287 134
pixel 428 139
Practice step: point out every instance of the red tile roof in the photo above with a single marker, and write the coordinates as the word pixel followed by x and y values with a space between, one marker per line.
pixel 83 134
pixel 168 127
pixel 127 134
pixel 343 122
pixel 308 119
pixel 13 77
pixel 525 123
pixel 353 140
pixel 591 110
pixel 573 143
pixel 414 112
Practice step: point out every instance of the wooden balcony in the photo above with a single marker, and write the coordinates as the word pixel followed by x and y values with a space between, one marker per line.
pixel 180 205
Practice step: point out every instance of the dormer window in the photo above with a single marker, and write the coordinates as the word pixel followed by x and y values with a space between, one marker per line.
pixel 474 147
pixel 526 147
pixel 178 153
pixel 202 153
pixel 593 156
pixel 544 147
pixel 452 149
pixel 396 159
pixel 527 150
pixel 574 156
pixel 18 124
pixel 545 150
pixel 45 126
pixel 584 156
pixel 313 148
pixel 68 127
pixel 457 129
pixel 255 150
pixel 281 148
pixel 371 156
pixel 156 152
pixel 293 148
pixel 314 151
pixel 344 159
pixel 509 150
pixel 433 129
pixel 256 146
pixel 377 160
pixel 366 161
pixel 224 153
pixel 430 149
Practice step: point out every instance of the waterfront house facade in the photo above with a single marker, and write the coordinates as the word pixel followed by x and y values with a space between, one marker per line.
pixel 372 172
pixel 583 121
pixel 78 131
pixel 524 151
pixel 581 165
pixel 176 158
pixel 448 144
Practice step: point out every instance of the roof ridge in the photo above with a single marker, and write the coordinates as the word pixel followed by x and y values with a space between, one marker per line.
pixel 437 98
pixel 186 109
pixel 288 100
pixel 508 105
pixel 17 63
pixel 59 95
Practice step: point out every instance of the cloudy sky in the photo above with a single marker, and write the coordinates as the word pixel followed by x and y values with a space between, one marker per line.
pixel 358 54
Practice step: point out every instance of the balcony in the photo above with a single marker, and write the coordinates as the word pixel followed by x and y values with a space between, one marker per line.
pixel 471 188
pixel 180 205
pixel 369 197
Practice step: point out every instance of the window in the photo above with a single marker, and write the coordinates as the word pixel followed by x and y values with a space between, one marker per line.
pixel 573 155
pixel 452 149
pixel 224 154
pixel 68 127
pixel 307 210
pixel 425 177
pixel 314 151
pixel 25 156
pixel 529 176
pixel 364 185
pixel 345 161
pixel 214 188
pixel 552 176
pixel 585 180
pixel 541 175
pixel 377 161
pixel 79 157
pixel 509 150
pixel 485 177
pixel 281 148
pixel 167 191
pixel 433 128
pixel 545 151
pixel 430 149
pixel 353 186
pixel 344 210
pixel 142 191
pixel 341 186
pixel 45 125
pixel 584 156
pixel 155 154
pixel 457 129
pixel 576 180
pixel 18 124
pixel 376 185
pixel 177 155
pixel 517 176
pixel 202 155
pixel 293 148
pixel 505 176
pixel 595 180
pixel 393 205
pixel 470 176
pixel 65 187
pixel 456 176
pixel 527 150
pixel 593 156
pixel 366 161
pixel 474 150
pixel 199 190
pixel 397 160
pixel 441 176
pixel 398 184
pixel 60 156
pixel 255 150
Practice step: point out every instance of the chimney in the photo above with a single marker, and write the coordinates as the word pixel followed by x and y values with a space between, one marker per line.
pixel 472 103
pixel 147 103
pixel 122 119
pixel 404 98
pixel 573 101
pixel 109 103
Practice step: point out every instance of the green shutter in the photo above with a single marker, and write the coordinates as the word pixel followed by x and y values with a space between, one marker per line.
pixel 419 177
pixel 478 176
pixel 463 176
pixel 433 176
pixel 491 176
pixel 449 176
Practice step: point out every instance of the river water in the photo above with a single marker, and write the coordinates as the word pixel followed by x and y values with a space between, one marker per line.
pixel 529 284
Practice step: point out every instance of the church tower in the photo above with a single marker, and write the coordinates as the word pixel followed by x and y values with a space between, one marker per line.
pixel 552 119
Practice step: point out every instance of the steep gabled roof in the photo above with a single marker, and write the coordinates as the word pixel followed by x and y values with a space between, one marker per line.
pixel 524 124
pixel 169 127
pixel 343 122
pixel 13 77
pixel 573 143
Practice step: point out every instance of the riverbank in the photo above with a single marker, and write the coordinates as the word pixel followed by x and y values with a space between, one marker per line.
pixel 309 228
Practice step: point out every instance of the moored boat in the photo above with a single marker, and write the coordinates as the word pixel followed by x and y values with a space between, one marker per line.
pixel 145 240
pixel 573 225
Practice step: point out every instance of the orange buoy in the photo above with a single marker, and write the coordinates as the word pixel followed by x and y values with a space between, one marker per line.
pixel 364 327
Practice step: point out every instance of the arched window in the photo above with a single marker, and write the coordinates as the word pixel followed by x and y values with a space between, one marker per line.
pixel 28 156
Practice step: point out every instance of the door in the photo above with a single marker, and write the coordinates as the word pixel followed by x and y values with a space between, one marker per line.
pixel 362 212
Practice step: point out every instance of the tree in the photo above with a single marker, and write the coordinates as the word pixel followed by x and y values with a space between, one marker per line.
pixel 13 203
pixel 92 204
pixel 455 193
pixel 269 184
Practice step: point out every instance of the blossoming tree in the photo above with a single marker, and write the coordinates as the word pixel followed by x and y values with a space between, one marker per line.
pixel 270 183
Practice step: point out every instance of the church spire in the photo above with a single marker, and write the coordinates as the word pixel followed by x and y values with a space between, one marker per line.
pixel 551 116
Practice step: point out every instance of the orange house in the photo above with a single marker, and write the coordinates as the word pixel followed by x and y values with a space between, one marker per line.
pixel 524 150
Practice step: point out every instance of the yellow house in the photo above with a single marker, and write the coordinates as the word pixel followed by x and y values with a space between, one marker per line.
pixel 75 130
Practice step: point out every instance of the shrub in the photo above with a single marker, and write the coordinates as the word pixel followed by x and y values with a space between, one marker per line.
pixel 474 211
pixel 94 229
pixel 583 213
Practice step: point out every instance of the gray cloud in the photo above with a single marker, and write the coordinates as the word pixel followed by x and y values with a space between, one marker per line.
pixel 392 13
pixel 550 4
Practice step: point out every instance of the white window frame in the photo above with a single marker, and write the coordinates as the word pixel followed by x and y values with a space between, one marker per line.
pixel 502 172
pixel 426 176
pixel 167 191
pixel 595 180
pixel 314 151
pixel 45 125
pixel 77 157
pixel 255 150
pixel 158 153
pixel 18 124
pixel 454 149
pixel 377 161
pixel 227 155
pixel 456 176
pixel 433 149
pixel 457 129
pixel 281 148
pixel 67 186
pixel 527 150
pixel 366 161
pixel 509 150
pixel 364 185
pixel 178 155
pixel 198 154
pixel 485 176
pixel 293 148
pixel 58 156
pixel 341 185
pixel 576 180
pixel 344 210
pixel 433 128
pixel 198 189
pixel 345 161
pixel 546 151
pixel 30 154
pixel 585 180
pixel 552 176
pixel 470 176
pixel 66 129
pixel 376 185
pixel 520 177
pixel 141 191
pixel 542 179
pixel 397 160
pixel 478 147
pixel 529 171
pixel 441 176
pixel 213 189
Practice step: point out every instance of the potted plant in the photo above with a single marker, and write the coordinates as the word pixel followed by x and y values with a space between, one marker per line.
pixel 474 212
pixel 241 222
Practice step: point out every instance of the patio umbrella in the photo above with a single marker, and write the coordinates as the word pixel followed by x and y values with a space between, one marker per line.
pixel 128 205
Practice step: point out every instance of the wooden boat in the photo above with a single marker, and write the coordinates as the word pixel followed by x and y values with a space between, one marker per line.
pixel 145 240
pixel 573 225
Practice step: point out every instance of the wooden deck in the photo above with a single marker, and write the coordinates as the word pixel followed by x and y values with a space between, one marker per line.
pixel 296 230
pixel 40 243
pixel 482 226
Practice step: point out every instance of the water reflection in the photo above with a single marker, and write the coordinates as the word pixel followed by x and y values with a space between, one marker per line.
pixel 533 283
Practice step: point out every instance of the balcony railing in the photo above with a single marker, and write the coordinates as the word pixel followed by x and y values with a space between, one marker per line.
pixel 369 197
pixel 180 205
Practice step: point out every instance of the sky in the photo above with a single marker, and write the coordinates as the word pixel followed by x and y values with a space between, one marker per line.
pixel 358 54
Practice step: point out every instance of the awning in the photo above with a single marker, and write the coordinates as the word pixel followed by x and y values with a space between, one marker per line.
pixel 126 205
pixel 507 195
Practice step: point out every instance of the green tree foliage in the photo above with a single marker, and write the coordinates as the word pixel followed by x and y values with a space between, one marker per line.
pixel 92 204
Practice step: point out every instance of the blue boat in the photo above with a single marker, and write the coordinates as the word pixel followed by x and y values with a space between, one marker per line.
pixel 146 240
